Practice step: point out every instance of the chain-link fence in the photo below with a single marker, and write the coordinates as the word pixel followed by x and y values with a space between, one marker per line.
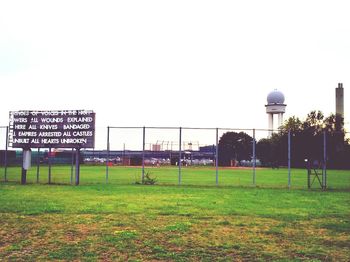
pixel 227 157
pixel 193 156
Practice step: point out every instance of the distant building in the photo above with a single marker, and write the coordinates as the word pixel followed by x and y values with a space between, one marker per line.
pixel 155 147
pixel 339 102
pixel 208 149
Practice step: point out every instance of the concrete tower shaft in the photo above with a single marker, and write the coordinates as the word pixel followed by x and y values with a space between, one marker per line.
pixel 339 100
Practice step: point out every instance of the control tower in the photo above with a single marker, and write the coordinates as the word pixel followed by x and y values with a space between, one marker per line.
pixel 275 105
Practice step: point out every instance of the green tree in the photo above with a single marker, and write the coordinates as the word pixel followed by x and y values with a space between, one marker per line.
pixel 234 146
pixel 293 123
pixel 314 122
pixel 265 152
pixel 307 142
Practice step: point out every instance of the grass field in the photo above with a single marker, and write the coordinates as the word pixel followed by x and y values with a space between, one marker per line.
pixel 272 178
pixel 195 221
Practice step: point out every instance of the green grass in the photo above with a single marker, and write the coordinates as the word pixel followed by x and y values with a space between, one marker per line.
pixel 271 178
pixel 194 222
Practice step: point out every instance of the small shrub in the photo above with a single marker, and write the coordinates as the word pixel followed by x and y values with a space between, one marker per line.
pixel 147 180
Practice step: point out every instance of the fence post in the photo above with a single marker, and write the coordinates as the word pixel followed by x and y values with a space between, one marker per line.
pixel 77 166
pixel 180 142
pixel 143 153
pixel 6 149
pixel 289 159
pixel 254 158
pixel 71 168
pixel 217 156
pixel 324 170
pixel 107 160
pixel 38 166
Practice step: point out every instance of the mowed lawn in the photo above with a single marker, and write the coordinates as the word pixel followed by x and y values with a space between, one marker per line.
pixel 197 221
pixel 241 177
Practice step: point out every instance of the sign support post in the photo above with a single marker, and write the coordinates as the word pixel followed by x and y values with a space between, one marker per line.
pixel 24 176
pixel 26 155
pixel 77 166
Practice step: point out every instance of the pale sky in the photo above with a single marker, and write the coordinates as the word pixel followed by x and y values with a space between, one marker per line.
pixel 173 63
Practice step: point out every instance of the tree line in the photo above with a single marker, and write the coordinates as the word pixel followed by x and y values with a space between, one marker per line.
pixel 307 143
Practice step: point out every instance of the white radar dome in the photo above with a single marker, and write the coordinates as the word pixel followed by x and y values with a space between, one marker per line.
pixel 275 97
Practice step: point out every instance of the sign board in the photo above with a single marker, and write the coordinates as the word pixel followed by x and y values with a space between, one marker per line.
pixel 55 129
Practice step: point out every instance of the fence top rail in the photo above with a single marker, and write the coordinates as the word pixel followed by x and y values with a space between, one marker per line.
pixel 193 128
pixel 140 127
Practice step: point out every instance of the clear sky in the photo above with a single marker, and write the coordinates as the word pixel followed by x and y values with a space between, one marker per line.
pixel 174 63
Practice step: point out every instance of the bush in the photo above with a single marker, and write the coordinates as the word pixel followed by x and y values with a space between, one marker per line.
pixel 148 180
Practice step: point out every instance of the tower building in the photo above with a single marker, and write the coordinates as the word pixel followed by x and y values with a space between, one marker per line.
pixel 339 100
pixel 339 103
pixel 275 105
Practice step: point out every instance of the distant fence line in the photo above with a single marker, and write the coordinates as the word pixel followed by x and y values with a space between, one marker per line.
pixel 181 151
